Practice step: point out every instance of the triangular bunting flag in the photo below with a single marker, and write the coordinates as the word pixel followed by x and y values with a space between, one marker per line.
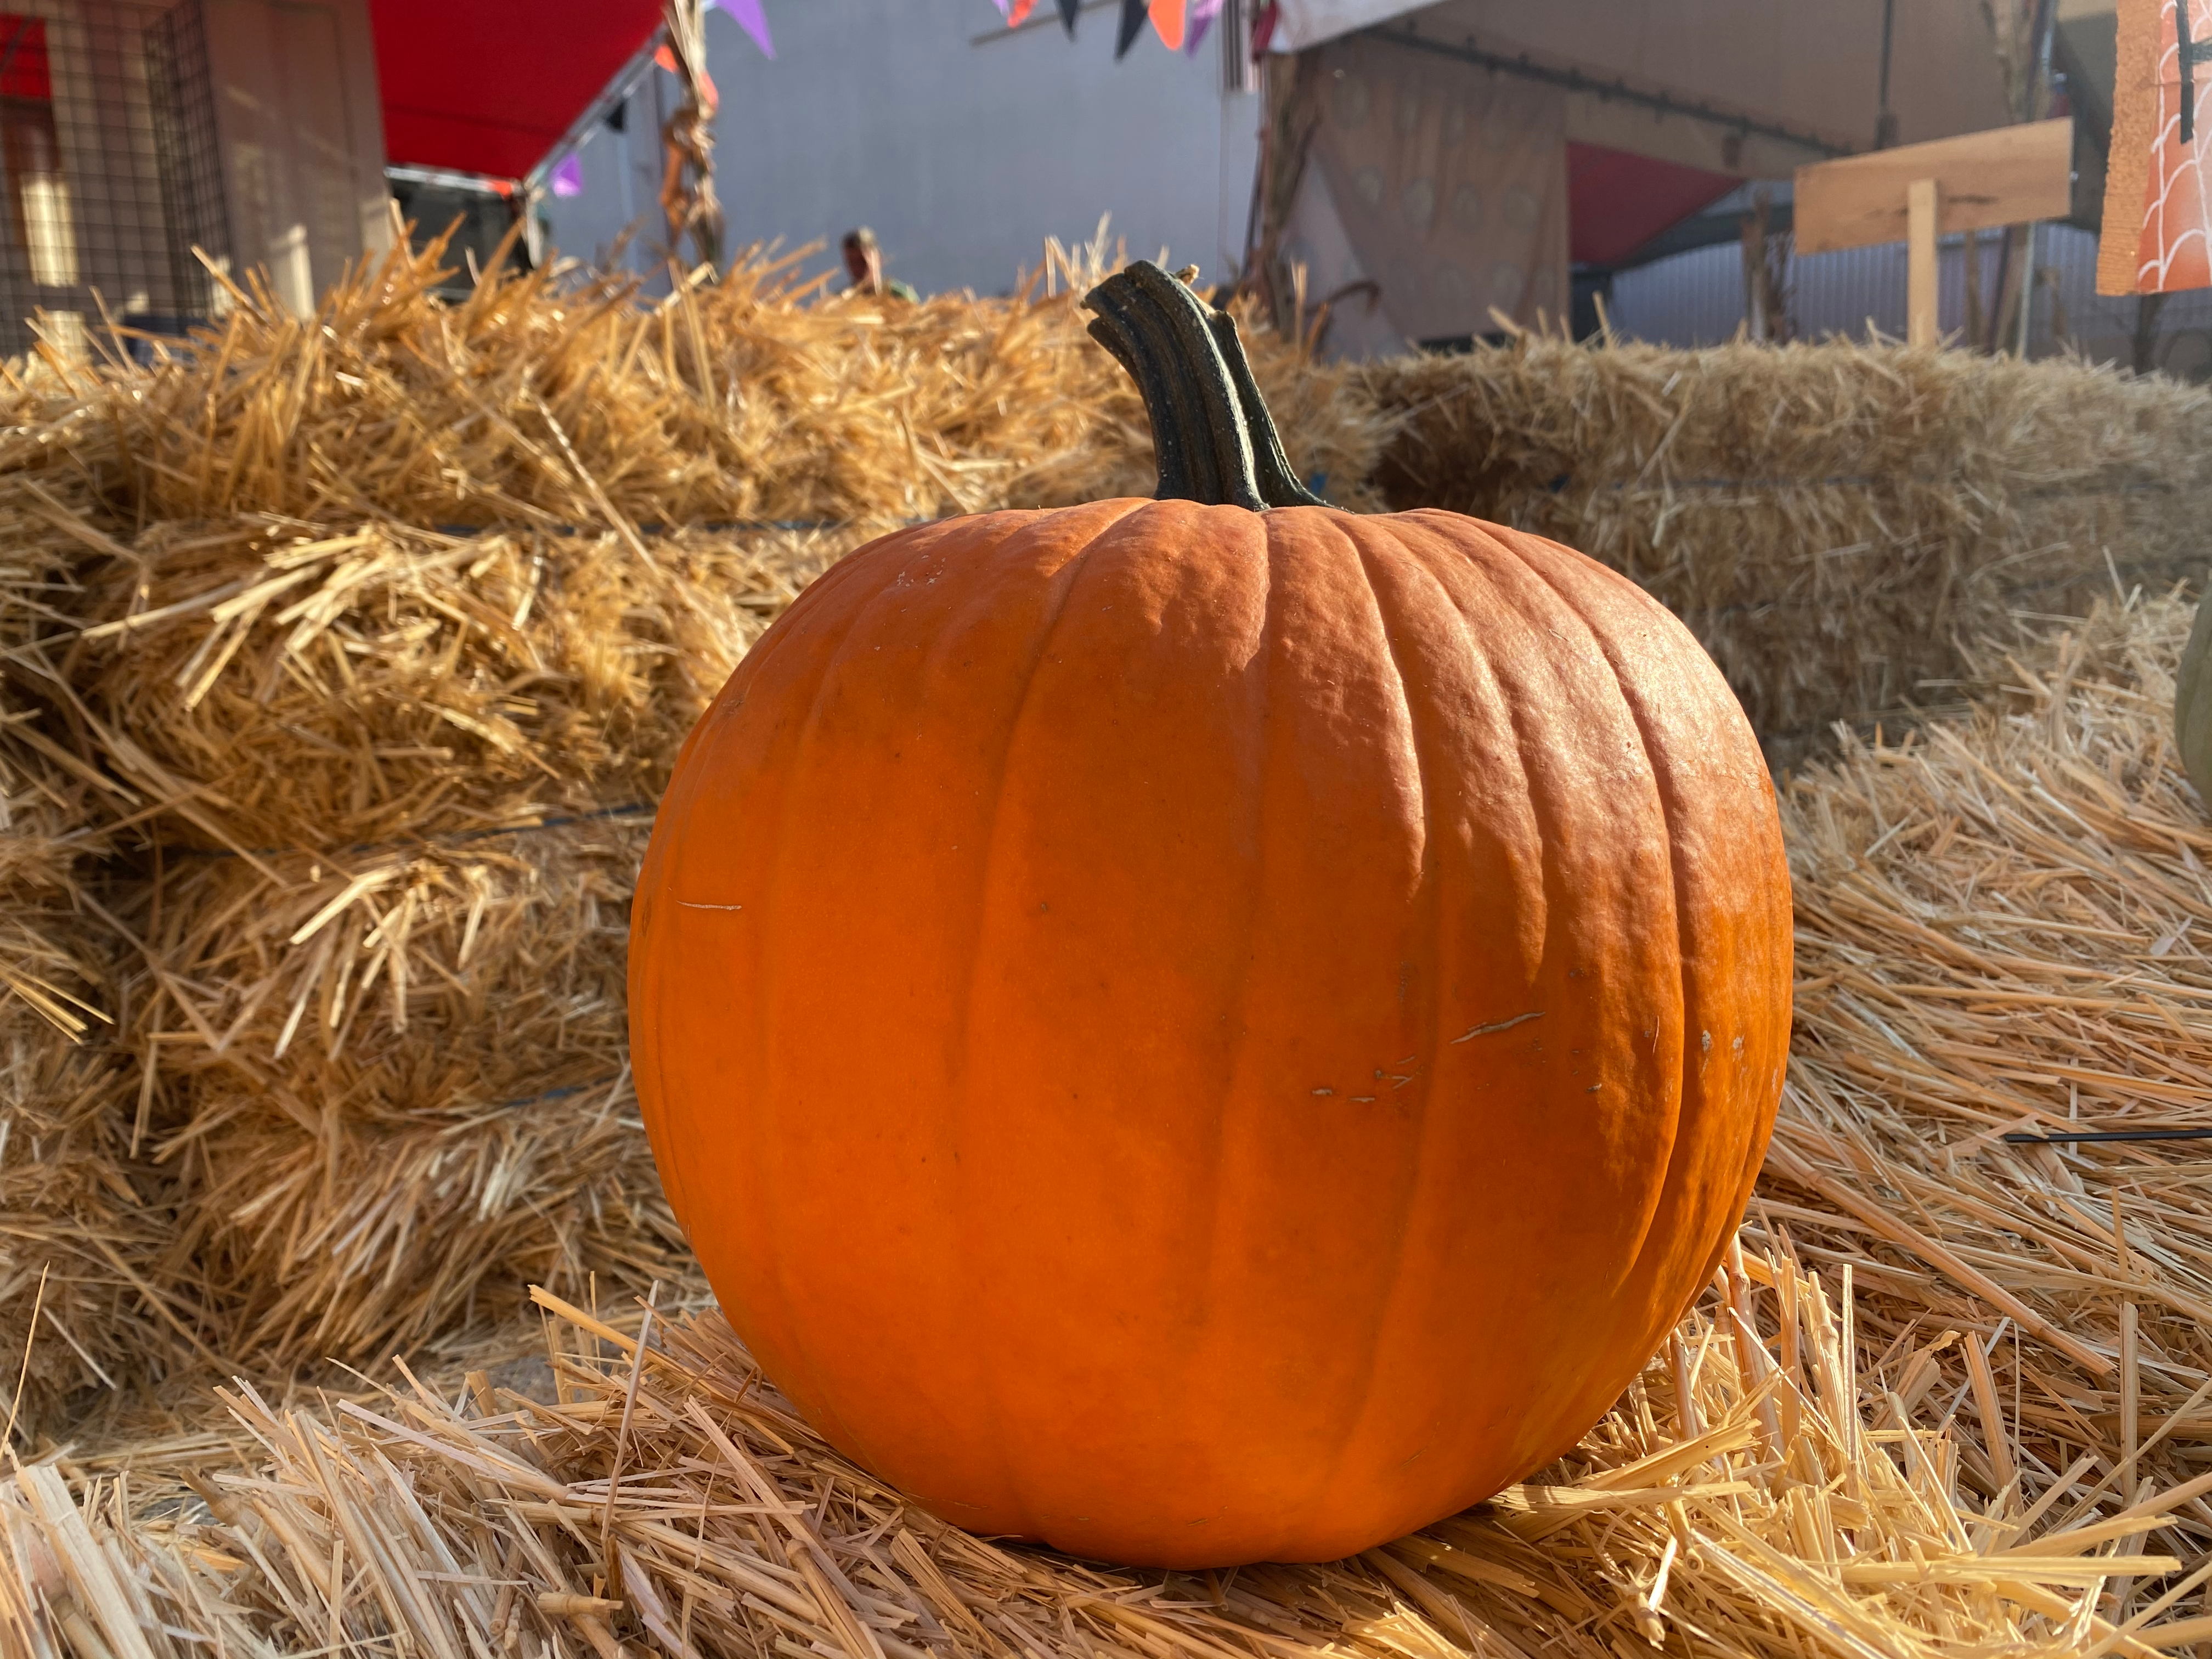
pixel 1167 22
pixel 1202 14
pixel 1067 10
pixel 748 15
pixel 1017 11
pixel 1132 21
pixel 666 57
pixel 1263 29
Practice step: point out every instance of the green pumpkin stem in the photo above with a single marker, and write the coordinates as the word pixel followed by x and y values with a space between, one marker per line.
pixel 1211 429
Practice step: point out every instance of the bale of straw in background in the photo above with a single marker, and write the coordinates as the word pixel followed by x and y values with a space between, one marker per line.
pixel 1832 519
pixel 563 398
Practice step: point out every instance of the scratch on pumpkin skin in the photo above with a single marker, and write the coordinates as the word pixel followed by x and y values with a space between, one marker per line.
pixel 1501 1025
pixel 689 905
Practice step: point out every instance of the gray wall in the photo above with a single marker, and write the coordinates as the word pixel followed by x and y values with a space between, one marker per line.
pixel 961 157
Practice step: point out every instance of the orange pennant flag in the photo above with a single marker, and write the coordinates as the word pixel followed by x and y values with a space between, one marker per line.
pixel 1167 22
pixel 1018 13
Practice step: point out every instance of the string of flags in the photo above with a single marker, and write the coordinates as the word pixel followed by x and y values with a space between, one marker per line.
pixel 1182 25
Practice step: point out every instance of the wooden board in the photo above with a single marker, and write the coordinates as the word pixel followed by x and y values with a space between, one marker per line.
pixel 2006 176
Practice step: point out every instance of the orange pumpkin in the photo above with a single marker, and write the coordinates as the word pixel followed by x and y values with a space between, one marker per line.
pixel 1216 1028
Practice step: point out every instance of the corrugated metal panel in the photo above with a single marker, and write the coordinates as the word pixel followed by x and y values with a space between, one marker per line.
pixel 1697 298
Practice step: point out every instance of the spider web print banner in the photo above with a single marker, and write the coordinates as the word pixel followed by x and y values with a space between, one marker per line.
pixel 2174 252
pixel 2158 209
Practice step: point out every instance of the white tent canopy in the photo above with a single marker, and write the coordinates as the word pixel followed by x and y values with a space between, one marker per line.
pixel 1812 69
pixel 1441 133
pixel 1302 23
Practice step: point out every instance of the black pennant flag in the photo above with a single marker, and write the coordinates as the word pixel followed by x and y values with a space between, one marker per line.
pixel 1132 22
pixel 1067 10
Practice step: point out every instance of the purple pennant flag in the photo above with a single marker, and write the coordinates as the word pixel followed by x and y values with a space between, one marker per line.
pixel 568 178
pixel 748 15
pixel 1198 19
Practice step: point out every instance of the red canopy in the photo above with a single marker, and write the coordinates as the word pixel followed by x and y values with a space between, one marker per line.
pixel 1617 201
pixel 23 70
pixel 490 85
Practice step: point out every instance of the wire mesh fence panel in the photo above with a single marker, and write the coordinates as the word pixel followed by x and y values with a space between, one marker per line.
pixel 107 145
pixel 185 152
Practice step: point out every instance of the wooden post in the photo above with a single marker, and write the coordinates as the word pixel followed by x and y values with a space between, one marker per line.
pixel 1754 226
pixel 1923 199
pixel 687 188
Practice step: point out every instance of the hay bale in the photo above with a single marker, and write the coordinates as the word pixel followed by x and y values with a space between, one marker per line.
pixel 2000 925
pixel 81 1215
pixel 268 685
pixel 416 1102
pixel 1830 521
pixel 561 398
pixel 388 791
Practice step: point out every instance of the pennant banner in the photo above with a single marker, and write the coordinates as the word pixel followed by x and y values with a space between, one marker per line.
pixel 1180 24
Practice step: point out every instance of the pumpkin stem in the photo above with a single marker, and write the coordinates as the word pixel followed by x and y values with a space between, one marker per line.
pixel 1211 429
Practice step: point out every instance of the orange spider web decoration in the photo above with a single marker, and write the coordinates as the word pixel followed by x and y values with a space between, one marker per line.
pixel 2158 192
pixel 2175 249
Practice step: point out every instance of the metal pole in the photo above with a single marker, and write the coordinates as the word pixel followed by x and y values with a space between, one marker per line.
pixel 2046 20
pixel 1884 126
